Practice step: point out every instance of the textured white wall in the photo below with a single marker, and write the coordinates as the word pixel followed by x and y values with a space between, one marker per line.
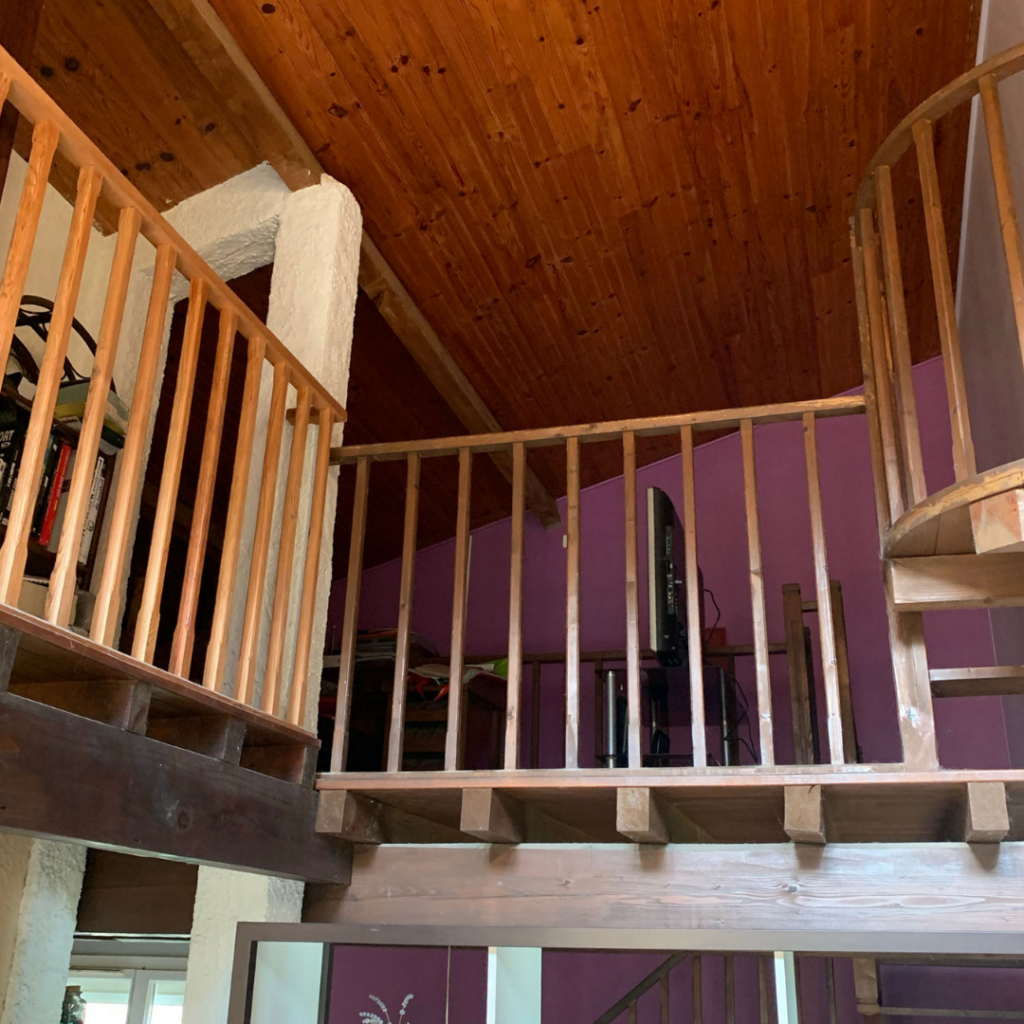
pixel 223 898
pixel 40 885
pixel 286 983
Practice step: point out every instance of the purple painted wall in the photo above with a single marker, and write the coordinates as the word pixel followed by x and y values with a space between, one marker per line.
pixel 971 731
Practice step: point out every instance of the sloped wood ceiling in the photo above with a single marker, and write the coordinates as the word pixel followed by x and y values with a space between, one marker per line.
pixel 620 207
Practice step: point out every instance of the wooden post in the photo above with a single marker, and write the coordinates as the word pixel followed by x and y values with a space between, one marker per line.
pixel 830 990
pixel 15 546
pixel 786 995
pixel 412 506
pixel 945 302
pixel 796 657
pixel 865 983
pixel 350 624
pixel 456 690
pixel 307 609
pixel 871 410
pixel 261 538
pixel 108 595
pixel 730 989
pixel 535 715
pixel 61 594
pixel 698 989
pixel 572 603
pixel 19 253
pixel 513 707
pixel 913 685
pixel 882 366
pixel 826 624
pixel 286 553
pixel 148 620
pixel 216 650
pixel 664 999
pixel 694 597
pixel 1005 197
pixel 843 670
pixel 762 675
pixel 635 757
pixel 185 630
pixel 905 401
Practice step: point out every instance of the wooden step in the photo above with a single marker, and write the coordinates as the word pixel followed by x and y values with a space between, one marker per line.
pixel 993 681
pixel 937 582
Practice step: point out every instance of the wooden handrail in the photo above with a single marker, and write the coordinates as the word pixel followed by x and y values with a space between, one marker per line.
pixel 99 181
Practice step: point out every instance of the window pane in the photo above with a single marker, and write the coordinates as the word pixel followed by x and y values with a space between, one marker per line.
pixel 104 995
pixel 165 1001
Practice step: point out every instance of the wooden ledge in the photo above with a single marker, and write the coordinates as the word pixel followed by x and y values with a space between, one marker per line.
pixel 739 805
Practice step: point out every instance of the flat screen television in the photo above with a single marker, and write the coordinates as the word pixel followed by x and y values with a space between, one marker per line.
pixel 666 576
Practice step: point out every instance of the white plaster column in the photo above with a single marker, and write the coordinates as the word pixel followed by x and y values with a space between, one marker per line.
pixel 312 307
pixel 40 885
pixel 223 898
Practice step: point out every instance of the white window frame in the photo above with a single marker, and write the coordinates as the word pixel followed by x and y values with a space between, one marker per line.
pixel 139 999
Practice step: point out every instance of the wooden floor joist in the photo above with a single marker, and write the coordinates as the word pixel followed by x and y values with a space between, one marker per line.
pixel 639 817
pixel 805 814
pixel 491 816
pixel 987 819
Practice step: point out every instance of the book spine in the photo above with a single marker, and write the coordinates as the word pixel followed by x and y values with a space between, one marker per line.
pixel 43 494
pixel 46 531
pixel 92 514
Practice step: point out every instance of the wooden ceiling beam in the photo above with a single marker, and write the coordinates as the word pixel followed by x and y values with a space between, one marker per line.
pixel 261 118
pixel 19 24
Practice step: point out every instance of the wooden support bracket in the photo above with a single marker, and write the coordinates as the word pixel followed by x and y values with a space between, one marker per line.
pixel 491 816
pixel 117 702
pixel 355 818
pixel 639 815
pixel 987 818
pixel 219 736
pixel 805 814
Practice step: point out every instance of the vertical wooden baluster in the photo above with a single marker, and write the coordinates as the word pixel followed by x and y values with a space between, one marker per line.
pixel 1005 197
pixel 61 594
pixel 5 87
pixel 456 691
pixel 515 610
pixel 902 367
pixel 535 714
pixel 882 375
pixel 286 553
pixel 826 623
pixel 350 623
pixel 693 600
pixel 799 681
pixel 185 629
pixel 412 505
pixel 730 989
pixel 108 595
pixel 45 136
pixel 843 667
pixel 764 683
pixel 217 649
pixel 15 546
pixel 631 1012
pixel 871 409
pixel 665 1000
pixel 698 986
pixel 148 620
pixel 599 707
pixel 304 632
pixel 572 602
pixel 635 757
pixel 945 302
pixel 246 676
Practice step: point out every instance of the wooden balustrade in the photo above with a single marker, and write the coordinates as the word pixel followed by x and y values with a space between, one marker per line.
pixel 99 180
pixel 417 455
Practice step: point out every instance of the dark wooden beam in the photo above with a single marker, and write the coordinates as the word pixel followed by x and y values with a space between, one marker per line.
pixel 256 111
pixel 917 898
pixel 354 818
pixel 66 777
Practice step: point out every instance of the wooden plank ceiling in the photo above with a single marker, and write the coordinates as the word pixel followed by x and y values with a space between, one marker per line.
pixel 604 208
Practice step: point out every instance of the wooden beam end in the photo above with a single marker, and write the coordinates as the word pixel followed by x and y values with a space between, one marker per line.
pixel 491 816
pixel 640 816
pixel 987 819
pixel 352 817
pixel 805 814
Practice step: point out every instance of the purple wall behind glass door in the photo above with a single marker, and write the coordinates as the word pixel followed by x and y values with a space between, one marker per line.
pixel 971 730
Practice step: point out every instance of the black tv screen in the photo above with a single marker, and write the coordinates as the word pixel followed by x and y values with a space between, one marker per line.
pixel 666 565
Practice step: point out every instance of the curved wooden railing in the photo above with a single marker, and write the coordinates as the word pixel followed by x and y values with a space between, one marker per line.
pixel 908 516
pixel 99 180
